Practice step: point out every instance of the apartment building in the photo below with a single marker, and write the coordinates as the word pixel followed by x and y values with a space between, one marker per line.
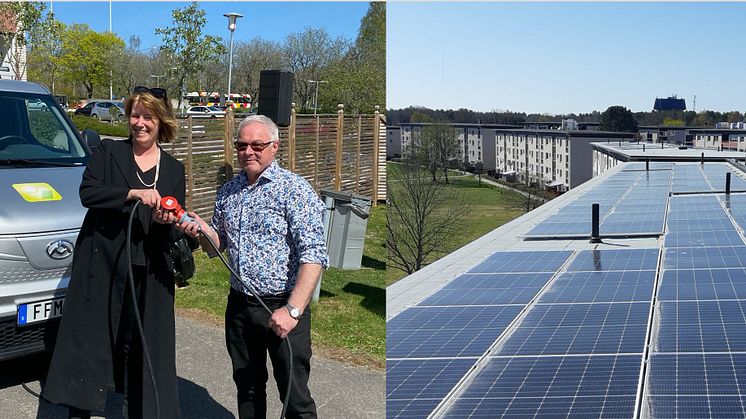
pixel 666 134
pixel 719 139
pixel 471 141
pixel 393 142
pixel 559 159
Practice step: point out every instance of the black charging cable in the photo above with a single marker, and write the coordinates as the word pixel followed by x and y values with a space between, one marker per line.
pixel 142 333
pixel 136 309
pixel 253 291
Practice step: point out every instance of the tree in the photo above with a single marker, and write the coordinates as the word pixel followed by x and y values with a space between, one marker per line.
pixel 44 59
pixel 307 54
pixel 421 216
pixel 479 169
pixel 87 56
pixel 438 144
pixel 673 122
pixel 358 79
pixel 21 22
pixel 188 49
pixel 251 58
pixel 618 119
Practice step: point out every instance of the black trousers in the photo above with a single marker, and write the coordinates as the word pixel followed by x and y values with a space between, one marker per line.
pixel 248 339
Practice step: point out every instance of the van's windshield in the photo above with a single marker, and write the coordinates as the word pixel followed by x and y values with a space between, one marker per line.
pixel 33 130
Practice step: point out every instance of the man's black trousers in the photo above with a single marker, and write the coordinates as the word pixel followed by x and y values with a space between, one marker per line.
pixel 249 338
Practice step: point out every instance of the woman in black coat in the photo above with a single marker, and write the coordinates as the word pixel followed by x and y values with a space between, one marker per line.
pixel 98 347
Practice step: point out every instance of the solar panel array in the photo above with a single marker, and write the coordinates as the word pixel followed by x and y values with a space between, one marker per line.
pixel 698 357
pixel 578 350
pixel 630 203
pixel 456 325
pixel 629 332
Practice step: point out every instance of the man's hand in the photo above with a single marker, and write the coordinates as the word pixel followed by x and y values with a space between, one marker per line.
pixel 281 322
pixel 193 228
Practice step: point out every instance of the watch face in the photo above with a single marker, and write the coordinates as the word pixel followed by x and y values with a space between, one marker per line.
pixel 295 313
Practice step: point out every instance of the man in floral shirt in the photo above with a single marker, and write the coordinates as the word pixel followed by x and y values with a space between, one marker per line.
pixel 269 221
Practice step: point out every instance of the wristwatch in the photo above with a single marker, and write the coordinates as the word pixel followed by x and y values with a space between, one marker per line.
pixel 294 312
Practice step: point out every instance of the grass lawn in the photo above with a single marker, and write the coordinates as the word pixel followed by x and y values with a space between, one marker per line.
pixel 348 321
pixel 488 208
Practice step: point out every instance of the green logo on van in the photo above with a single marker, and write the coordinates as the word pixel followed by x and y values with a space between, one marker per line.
pixel 37 192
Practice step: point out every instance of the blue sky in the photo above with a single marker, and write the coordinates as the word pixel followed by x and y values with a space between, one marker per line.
pixel 565 57
pixel 269 20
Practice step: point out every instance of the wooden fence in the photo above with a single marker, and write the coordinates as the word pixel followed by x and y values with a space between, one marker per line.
pixel 331 151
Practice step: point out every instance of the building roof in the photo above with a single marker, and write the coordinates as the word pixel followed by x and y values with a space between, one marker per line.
pixel 565 327
pixel 663 152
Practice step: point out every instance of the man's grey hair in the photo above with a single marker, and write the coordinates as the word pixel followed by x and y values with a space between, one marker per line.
pixel 274 132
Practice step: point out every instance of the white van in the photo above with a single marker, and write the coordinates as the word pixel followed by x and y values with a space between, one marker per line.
pixel 42 158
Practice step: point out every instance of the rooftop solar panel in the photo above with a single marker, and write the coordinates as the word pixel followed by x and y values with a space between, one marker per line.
pixel 562 329
pixel 703 238
pixel 483 289
pixel 424 378
pixel 507 262
pixel 703 284
pixel 615 260
pixel 567 386
pixel 705 258
pixel 696 386
pixel 600 286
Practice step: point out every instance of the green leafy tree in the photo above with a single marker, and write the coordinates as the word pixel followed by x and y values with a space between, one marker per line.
pixel 188 49
pixel 308 54
pixel 359 78
pixel 618 119
pixel 21 23
pixel 44 59
pixel 88 56
pixel 669 122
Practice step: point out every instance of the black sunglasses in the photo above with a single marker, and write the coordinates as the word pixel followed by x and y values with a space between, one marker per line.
pixel 255 145
pixel 158 92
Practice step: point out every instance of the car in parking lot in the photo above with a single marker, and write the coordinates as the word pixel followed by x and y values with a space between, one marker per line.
pixel 42 158
pixel 103 110
pixel 206 111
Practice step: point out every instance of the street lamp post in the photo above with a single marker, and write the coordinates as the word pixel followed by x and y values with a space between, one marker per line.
pixel 316 94
pixel 231 27
pixel 158 79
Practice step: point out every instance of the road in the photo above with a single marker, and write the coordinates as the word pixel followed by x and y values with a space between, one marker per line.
pixel 206 389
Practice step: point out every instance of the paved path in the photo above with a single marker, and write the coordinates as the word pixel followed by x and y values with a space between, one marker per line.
pixel 206 389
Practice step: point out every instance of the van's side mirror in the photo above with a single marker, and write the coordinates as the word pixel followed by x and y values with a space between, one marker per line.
pixel 91 137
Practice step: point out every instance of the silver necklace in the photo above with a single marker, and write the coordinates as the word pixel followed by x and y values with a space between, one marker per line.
pixel 157 172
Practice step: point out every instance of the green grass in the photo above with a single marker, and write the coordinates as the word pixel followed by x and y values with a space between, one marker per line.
pixel 487 207
pixel 347 322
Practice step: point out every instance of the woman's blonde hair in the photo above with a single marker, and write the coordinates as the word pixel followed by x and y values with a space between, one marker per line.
pixel 161 109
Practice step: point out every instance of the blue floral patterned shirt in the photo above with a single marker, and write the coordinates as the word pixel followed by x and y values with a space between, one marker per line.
pixel 269 229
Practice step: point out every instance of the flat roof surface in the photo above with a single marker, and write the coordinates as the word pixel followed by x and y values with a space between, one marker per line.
pixel 636 151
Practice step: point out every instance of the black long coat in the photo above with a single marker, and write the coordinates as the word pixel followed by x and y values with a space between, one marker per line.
pixel 81 370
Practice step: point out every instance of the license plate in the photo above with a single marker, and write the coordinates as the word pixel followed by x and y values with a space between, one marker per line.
pixel 40 311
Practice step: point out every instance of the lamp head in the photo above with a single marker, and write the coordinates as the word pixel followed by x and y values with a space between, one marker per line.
pixel 232 20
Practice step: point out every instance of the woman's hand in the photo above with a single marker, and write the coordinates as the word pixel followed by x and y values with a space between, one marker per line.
pixel 149 197
pixel 162 216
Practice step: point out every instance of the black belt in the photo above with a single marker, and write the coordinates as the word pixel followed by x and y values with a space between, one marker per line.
pixel 270 300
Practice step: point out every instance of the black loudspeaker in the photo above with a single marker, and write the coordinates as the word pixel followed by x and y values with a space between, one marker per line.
pixel 276 95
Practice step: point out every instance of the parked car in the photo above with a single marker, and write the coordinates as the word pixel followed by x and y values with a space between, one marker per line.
pixel 206 111
pixel 42 159
pixel 103 110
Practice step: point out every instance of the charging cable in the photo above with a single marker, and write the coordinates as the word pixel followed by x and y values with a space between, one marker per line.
pixel 170 204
